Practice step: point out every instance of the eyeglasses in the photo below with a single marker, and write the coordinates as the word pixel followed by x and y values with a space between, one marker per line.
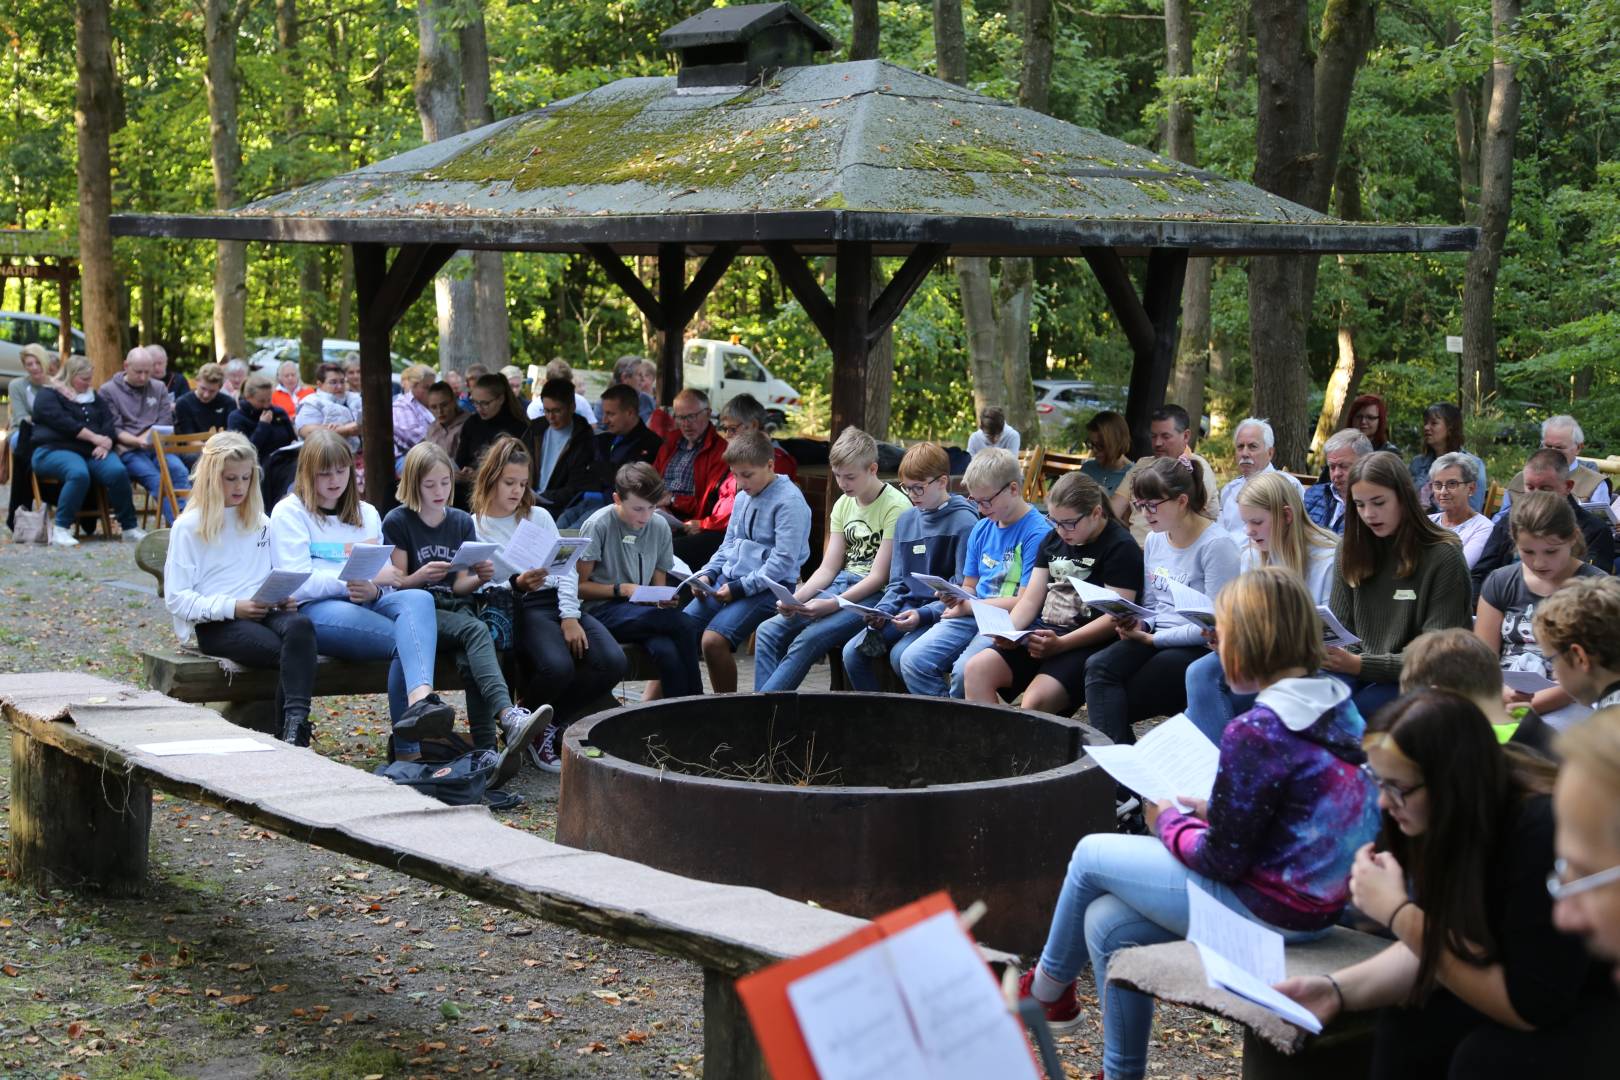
pixel 1559 889
pixel 484 403
pixel 917 491
pixel 1367 418
pixel 1147 506
pixel 682 418
pixel 1066 524
pixel 1447 485
pixel 724 427
pixel 1397 794
pixel 985 504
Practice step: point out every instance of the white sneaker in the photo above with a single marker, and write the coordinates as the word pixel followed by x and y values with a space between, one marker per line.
pixel 134 536
pixel 62 537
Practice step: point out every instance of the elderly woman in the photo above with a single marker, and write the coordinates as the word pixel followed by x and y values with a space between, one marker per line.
pixel 1452 480
pixel 236 376
pixel 289 391
pixel 411 413
pixel 329 408
pixel 73 440
pixel 23 391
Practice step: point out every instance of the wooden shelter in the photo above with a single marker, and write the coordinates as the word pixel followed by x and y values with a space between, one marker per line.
pixel 44 256
pixel 752 150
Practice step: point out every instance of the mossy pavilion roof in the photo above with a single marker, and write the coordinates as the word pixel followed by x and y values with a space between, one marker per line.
pixel 860 151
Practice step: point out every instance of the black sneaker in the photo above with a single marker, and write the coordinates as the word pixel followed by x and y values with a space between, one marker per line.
pixel 518 729
pixel 543 751
pixel 429 718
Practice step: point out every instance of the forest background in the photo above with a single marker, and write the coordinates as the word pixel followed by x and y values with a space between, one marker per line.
pixel 1501 113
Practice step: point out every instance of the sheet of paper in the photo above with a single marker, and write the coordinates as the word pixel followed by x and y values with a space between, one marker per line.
pixel 854 1022
pixel 471 553
pixel 961 1022
pixel 529 545
pixel 1224 975
pixel 1527 682
pixel 996 622
pixel 163 429
pixel 1333 631
pixel 653 594
pixel 696 585
pixel 1244 942
pixel 1193 605
pixel 1107 600
pixel 851 605
pixel 940 585
pixel 205 746
pixel 565 553
pixel 365 562
pixel 784 595
pixel 279 585
pixel 1173 760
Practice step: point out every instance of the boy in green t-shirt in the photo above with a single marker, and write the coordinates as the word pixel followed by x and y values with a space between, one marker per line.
pixel 854 567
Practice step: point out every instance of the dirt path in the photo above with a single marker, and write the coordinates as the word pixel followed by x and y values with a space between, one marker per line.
pixel 256 956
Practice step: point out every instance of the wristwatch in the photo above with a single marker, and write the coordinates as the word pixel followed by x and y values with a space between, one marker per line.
pixel 616 594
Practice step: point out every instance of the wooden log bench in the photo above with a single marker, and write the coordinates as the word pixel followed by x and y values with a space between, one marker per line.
pixel 1273 1049
pixel 81 812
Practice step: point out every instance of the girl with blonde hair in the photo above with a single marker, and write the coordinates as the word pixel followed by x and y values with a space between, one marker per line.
pixel 315 529
pixel 219 555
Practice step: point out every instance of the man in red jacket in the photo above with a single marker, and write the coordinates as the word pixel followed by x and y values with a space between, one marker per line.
pixel 692 463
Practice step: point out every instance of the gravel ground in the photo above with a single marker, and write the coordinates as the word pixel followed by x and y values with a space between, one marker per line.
pixel 254 956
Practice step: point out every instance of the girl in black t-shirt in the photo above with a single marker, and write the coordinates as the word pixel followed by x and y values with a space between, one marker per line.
pixel 1049 665
pixel 1479 982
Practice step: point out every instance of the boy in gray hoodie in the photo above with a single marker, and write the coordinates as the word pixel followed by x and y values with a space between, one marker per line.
pixel 928 539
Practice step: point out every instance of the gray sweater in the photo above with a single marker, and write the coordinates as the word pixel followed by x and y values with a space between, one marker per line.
pixel 1386 612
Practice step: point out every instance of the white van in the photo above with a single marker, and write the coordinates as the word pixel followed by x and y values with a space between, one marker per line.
pixel 722 370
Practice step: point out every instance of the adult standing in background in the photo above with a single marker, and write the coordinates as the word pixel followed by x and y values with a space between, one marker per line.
pixel 1327 501
pixel 660 423
pixel 1370 416
pixel 138 403
pixel 993 431
pixel 1254 442
pixel 22 392
pixel 1443 434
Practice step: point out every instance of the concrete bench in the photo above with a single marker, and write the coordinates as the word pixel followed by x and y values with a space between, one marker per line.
pixel 81 811
pixel 1272 1047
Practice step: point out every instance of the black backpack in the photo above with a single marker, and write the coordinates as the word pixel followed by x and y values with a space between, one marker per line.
pixel 461 782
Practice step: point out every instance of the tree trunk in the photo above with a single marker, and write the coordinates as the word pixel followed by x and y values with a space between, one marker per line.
pixel 489 267
pixel 439 105
pixel 863 33
pixel 1350 364
pixel 307 258
pixel 1495 208
pixel 1467 132
pixel 1192 350
pixel 344 327
pixel 93 121
pixel 1014 300
pixel 221 19
pixel 1040 42
pixel 950 41
pixel 973 282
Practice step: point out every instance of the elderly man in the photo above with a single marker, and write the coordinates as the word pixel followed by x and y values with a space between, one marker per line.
pixel 692 462
pixel 1546 470
pixel 1564 434
pixel 1255 444
pixel 1327 501
pixel 138 403
pixel 1168 430
pixel 172 381
pixel 627 372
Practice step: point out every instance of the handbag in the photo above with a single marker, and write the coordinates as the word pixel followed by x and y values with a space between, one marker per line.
pixel 32 526
pixel 498 609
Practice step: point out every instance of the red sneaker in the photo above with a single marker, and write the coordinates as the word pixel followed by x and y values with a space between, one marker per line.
pixel 1062 1015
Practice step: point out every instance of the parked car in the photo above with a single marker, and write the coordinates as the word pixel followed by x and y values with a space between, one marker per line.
pixel 271 351
pixel 724 369
pixel 19 328
pixel 1057 400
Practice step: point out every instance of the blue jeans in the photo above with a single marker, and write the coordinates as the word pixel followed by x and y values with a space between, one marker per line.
pixel 143 469
pixel 786 646
pixel 858 666
pixel 1368 696
pixel 1211 704
pixel 927 664
pixel 75 472
pixel 401 625
pixel 1122 891
pixel 669 635
pixel 733 621
pixel 581 508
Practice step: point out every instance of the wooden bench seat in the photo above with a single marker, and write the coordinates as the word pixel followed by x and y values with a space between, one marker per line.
pixel 81 812
pixel 1272 1047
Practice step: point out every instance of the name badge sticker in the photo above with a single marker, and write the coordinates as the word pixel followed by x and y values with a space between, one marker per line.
pixel 628 540
pixel 1405 594
pixel 919 549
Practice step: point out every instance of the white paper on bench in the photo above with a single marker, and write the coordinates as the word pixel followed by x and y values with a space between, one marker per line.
pixel 996 622
pixel 940 585
pixel 1224 975
pixel 918 1004
pixel 1333 631
pixel 1528 682
pixel 1172 760
pixel 1252 947
pixel 279 585
pixel 471 553
pixel 653 594
pixel 1107 600
pixel 365 562
pixel 204 746
pixel 528 546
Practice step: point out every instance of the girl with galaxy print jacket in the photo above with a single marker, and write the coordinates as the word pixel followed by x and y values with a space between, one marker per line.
pixel 1275 842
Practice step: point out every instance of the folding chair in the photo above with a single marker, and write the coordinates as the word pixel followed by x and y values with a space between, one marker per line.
pixel 1032 461
pixel 180 446
pixel 95 506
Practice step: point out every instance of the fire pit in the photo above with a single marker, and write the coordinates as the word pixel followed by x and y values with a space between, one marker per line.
pixel 859 802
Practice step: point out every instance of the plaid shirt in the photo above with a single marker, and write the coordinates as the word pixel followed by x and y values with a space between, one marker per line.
pixel 680 474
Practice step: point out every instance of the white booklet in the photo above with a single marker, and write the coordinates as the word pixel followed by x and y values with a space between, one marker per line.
pixel 653 594
pixel 1242 956
pixel 996 622
pixel 1333 631
pixel 1193 605
pixel 943 587
pixel 784 595
pixel 1174 759
pixel 365 562
pixel 696 584
pixel 279 586
pixel 565 553
pixel 471 553
pixel 529 545
pixel 1107 600
pixel 1527 682
pixel 851 605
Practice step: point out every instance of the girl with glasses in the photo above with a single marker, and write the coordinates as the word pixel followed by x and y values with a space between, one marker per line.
pixel 1586 881
pixel 1479 982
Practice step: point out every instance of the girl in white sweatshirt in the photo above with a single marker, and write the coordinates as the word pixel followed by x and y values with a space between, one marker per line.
pixel 315 528
pixel 219 555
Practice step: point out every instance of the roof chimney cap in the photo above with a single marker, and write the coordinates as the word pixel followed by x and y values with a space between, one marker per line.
pixel 736 46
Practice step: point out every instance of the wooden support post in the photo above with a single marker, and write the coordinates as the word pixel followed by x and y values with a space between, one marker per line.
pixel 730 1051
pixel 1150 324
pixel 672 339
pixel 75 825
pixel 852 343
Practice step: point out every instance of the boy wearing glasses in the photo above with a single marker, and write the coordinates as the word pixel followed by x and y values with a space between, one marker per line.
pixel 860 546
pixel 1000 554
pixel 929 538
